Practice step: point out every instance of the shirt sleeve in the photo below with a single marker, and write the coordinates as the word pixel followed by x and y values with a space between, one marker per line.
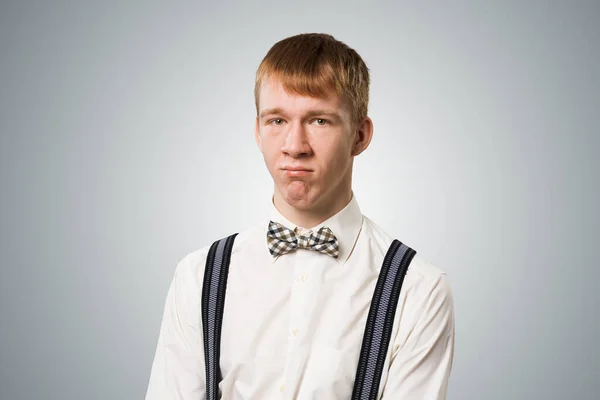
pixel 420 367
pixel 178 370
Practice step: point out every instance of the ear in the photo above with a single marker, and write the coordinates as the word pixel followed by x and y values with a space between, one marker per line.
pixel 257 135
pixel 362 136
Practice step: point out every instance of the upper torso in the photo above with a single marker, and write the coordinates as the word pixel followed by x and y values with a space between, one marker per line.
pixel 293 325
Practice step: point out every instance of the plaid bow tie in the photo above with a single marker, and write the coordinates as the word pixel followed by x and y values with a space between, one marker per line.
pixel 282 240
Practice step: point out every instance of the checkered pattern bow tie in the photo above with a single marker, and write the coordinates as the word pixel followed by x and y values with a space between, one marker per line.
pixel 282 240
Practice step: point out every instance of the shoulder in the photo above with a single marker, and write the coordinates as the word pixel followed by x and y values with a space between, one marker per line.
pixel 421 275
pixel 426 297
pixel 194 262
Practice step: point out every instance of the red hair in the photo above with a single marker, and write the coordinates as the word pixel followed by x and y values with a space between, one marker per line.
pixel 313 64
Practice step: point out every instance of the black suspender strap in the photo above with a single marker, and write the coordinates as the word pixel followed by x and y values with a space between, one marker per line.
pixel 213 301
pixel 380 320
pixel 378 329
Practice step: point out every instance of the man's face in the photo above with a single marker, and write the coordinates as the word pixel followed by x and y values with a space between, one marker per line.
pixel 307 145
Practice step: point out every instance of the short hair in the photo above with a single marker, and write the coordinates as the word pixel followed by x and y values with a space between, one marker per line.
pixel 312 64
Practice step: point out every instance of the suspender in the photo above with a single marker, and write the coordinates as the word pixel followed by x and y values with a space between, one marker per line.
pixel 380 320
pixel 377 333
pixel 213 300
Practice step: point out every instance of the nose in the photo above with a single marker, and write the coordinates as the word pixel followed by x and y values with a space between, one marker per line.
pixel 296 141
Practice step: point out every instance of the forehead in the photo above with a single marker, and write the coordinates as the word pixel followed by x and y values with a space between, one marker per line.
pixel 273 94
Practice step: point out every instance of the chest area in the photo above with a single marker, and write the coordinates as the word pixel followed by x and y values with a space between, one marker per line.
pixel 294 329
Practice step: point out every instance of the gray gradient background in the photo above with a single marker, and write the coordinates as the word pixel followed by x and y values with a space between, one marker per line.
pixel 127 142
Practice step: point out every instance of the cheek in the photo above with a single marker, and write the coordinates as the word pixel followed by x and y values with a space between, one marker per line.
pixel 271 152
pixel 272 141
pixel 338 154
pixel 339 164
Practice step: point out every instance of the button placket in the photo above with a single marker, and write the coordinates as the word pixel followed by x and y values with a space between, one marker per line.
pixel 303 277
pixel 298 300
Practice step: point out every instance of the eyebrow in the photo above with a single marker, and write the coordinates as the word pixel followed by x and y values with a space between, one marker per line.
pixel 277 110
pixel 269 111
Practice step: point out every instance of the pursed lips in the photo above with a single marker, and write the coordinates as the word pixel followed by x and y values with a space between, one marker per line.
pixel 296 170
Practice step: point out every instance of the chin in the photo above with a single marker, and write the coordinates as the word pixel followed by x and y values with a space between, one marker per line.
pixel 297 195
pixel 300 204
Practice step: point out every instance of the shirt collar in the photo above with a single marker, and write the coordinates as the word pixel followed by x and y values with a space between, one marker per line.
pixel 345 225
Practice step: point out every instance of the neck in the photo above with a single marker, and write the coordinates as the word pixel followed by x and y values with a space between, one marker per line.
pixel 311 217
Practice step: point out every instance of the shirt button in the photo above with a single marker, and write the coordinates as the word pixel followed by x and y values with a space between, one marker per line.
pixel 303 277
pixel 282 388
pixel 295 331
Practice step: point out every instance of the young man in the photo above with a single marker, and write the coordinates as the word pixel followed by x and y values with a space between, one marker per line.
pixel 300 285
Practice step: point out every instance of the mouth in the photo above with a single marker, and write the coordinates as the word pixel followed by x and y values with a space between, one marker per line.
pixel 296 171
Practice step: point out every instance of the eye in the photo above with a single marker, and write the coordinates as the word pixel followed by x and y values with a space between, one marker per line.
pixel 276 121
pixel 321 121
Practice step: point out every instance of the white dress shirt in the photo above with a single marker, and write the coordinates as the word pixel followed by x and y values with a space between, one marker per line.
pixel 293 325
